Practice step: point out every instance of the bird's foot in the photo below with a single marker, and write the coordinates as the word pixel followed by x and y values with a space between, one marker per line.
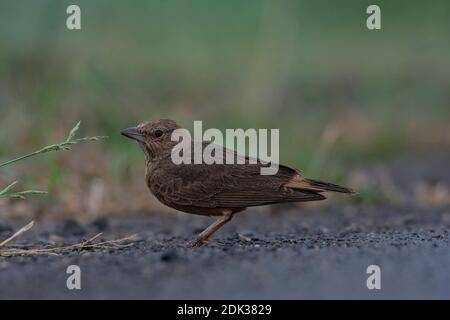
pixel 198 242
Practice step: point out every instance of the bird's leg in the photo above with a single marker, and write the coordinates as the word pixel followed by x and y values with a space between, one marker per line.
pixel 202 238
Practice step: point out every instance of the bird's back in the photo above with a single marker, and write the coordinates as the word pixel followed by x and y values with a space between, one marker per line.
pixel 210 189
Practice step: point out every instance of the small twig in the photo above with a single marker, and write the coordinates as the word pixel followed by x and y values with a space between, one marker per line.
pixel 87 244
pixel 65 249
pixel 18 233
pixel 59 250
pixel 91 239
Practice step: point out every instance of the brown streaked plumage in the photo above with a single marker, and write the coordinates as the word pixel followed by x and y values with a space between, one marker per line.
pixel 216 189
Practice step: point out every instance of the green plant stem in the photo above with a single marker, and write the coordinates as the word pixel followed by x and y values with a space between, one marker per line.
pixel 20 158
pixel 54 147
pixel 65 145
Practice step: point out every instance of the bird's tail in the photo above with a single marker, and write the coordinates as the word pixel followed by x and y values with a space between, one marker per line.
pixel 325 186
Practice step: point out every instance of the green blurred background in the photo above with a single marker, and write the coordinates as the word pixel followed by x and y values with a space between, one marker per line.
pixel 340 93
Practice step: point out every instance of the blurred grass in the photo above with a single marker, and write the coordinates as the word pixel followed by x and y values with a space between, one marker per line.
pixel 302 66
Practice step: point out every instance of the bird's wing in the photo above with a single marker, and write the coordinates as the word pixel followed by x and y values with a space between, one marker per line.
pixel 231 186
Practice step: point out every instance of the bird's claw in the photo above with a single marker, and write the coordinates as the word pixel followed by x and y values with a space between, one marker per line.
pixel 198 242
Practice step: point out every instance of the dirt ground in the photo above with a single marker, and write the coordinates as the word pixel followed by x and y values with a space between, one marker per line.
pixel 288 253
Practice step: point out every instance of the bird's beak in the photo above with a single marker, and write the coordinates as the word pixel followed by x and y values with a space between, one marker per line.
pixel 133 133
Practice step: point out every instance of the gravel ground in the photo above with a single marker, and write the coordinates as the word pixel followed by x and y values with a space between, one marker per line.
pixel 288 253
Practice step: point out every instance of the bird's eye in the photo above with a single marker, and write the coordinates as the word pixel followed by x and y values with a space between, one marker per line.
pixel 158 133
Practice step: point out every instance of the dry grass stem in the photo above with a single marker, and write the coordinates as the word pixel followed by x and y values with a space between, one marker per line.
pixel 18 233
pixel 56 251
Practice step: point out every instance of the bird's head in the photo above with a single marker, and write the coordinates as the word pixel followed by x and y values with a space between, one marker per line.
pixel 154 137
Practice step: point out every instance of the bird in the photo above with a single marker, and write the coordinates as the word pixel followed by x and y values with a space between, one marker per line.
pixel 215 189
